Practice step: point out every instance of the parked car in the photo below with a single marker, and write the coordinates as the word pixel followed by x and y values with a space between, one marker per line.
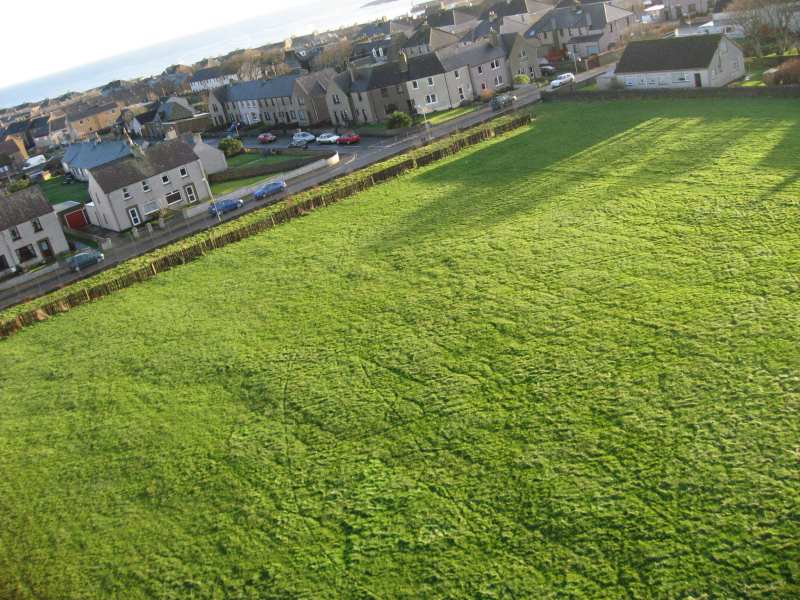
pixel 561 80
pixel 221 207
pixel 327 138
pixel 266 138
pixel 305 137
pixel 547 70
pixel 85 258
pixel 349 138
pixel 269 189
pixel 502 101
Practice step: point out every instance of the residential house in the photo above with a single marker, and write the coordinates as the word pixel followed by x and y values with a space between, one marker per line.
pixel 174 114
pixel 428 90
pixel 583 29
pixel 477 68
pixel 337 96
pixel 13 153
pixel 79 158
pixel 133 190
pixel 59 131
pixel 383 28
pixel 523 11
pixel 21 131
pixel 211 78
pixel 684 62
pixel 379 91
pixel 213 159
pixel 132 119
pixel 298 100
pixel 428 39
pixel 84 121
pixel 40 132
pixel 30 231
pixel 678 9
pixel 457 20
pixel 523 54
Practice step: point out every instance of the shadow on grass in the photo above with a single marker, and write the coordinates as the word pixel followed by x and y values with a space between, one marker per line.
pixel 611 148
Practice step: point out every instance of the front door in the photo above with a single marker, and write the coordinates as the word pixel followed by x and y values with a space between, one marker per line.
pixel 697 81
pixel 45 248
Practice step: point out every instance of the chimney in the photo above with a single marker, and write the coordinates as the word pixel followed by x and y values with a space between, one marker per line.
pixel 403 62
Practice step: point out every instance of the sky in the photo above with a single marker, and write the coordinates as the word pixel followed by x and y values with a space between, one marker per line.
pixel 85 31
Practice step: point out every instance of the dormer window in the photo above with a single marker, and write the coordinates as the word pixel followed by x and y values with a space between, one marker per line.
pixel 15 235
pixel 145 186
pixel 165 179
pixel 430 81
pixel 37 225
pixel 126 194
pixel 184 172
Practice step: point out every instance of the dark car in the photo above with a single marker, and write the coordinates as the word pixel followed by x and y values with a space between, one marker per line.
pixel 270 189
pixel 85 258
pixel 502 101
pixel 547 70
pixel 221 207
pixel 349 138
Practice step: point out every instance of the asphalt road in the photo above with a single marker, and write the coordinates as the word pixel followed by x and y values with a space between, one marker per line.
pixel 369 151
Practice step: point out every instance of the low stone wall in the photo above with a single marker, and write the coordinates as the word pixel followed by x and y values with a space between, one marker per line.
pixel 27 277
pixel 786 92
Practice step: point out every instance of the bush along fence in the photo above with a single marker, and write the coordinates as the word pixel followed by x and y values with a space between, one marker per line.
pixel 787 91
pixel 191 248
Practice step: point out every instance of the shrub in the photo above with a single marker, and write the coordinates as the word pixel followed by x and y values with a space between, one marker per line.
pixel 521 79
pixel 787 73
pixel 399 120
pixel 19 184
pixel 231 147
pixel 487 95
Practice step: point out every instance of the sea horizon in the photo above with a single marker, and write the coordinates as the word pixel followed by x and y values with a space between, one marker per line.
pixel 152 60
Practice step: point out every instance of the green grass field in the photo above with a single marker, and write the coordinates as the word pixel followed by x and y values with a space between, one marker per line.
pixel 560 364
pixel 56 192
pixel 247 160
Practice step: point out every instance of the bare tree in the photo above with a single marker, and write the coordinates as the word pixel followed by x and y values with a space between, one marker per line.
pixel 334 56
pixel 751 15
pixel 783 17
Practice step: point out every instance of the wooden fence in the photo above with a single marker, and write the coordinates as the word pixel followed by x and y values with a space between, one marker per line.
pixel 188 253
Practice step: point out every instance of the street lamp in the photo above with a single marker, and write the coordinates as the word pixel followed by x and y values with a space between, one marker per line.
pixel 425 119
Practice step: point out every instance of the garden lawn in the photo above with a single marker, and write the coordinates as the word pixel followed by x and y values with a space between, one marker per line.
pixel 56 192
pixel 446 115
pixel 226 187
pixel 560 364
pixel 250 159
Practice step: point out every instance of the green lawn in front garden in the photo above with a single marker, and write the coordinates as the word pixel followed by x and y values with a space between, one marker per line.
pixel 57 192
pixel 226 187
pixel 563 363
pixel 443 116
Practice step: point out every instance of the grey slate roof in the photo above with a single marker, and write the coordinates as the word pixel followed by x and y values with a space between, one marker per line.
pixel 17 127
pixel 507 8
pixel 40 126
pixel 669 54
pixel 584 39
pixel 456 57
pixel 209 73
pixel 258 90
pixel 20 207
pixel 58 123
pixel 380 76
pixel 87 111
pixel 157 159
pixel 8 147
pixel 592 16
pixel 426 65
pixel 88 155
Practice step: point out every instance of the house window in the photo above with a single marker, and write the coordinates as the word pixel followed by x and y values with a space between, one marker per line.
pixel 174 197
pixel 184 172
pixel 483 85
pixel 414 84
pixel 430 98
pixel 133 214
pixel 384 93
pixel 301 101
pixel 523 54
pixel 293 115
pixel 430 81
pixel 26 253
pixel 37 225
pixel 126 194
pixel 498 80
pixel 191 195
pixel 165 179
pixel 145 186
pixel 15 235
pixel 480 69
pixel 301 114
pixel 336 99
pixel 3 262
pixel 360 97
pixel 495 64
pixel 678 77
pixel 150 207
pixel 461 93
pixel 457 74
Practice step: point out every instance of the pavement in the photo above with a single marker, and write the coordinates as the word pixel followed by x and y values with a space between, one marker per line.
pixel 370 150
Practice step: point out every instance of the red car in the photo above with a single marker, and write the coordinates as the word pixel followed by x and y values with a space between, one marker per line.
pixel 349 138
pixel 266 138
